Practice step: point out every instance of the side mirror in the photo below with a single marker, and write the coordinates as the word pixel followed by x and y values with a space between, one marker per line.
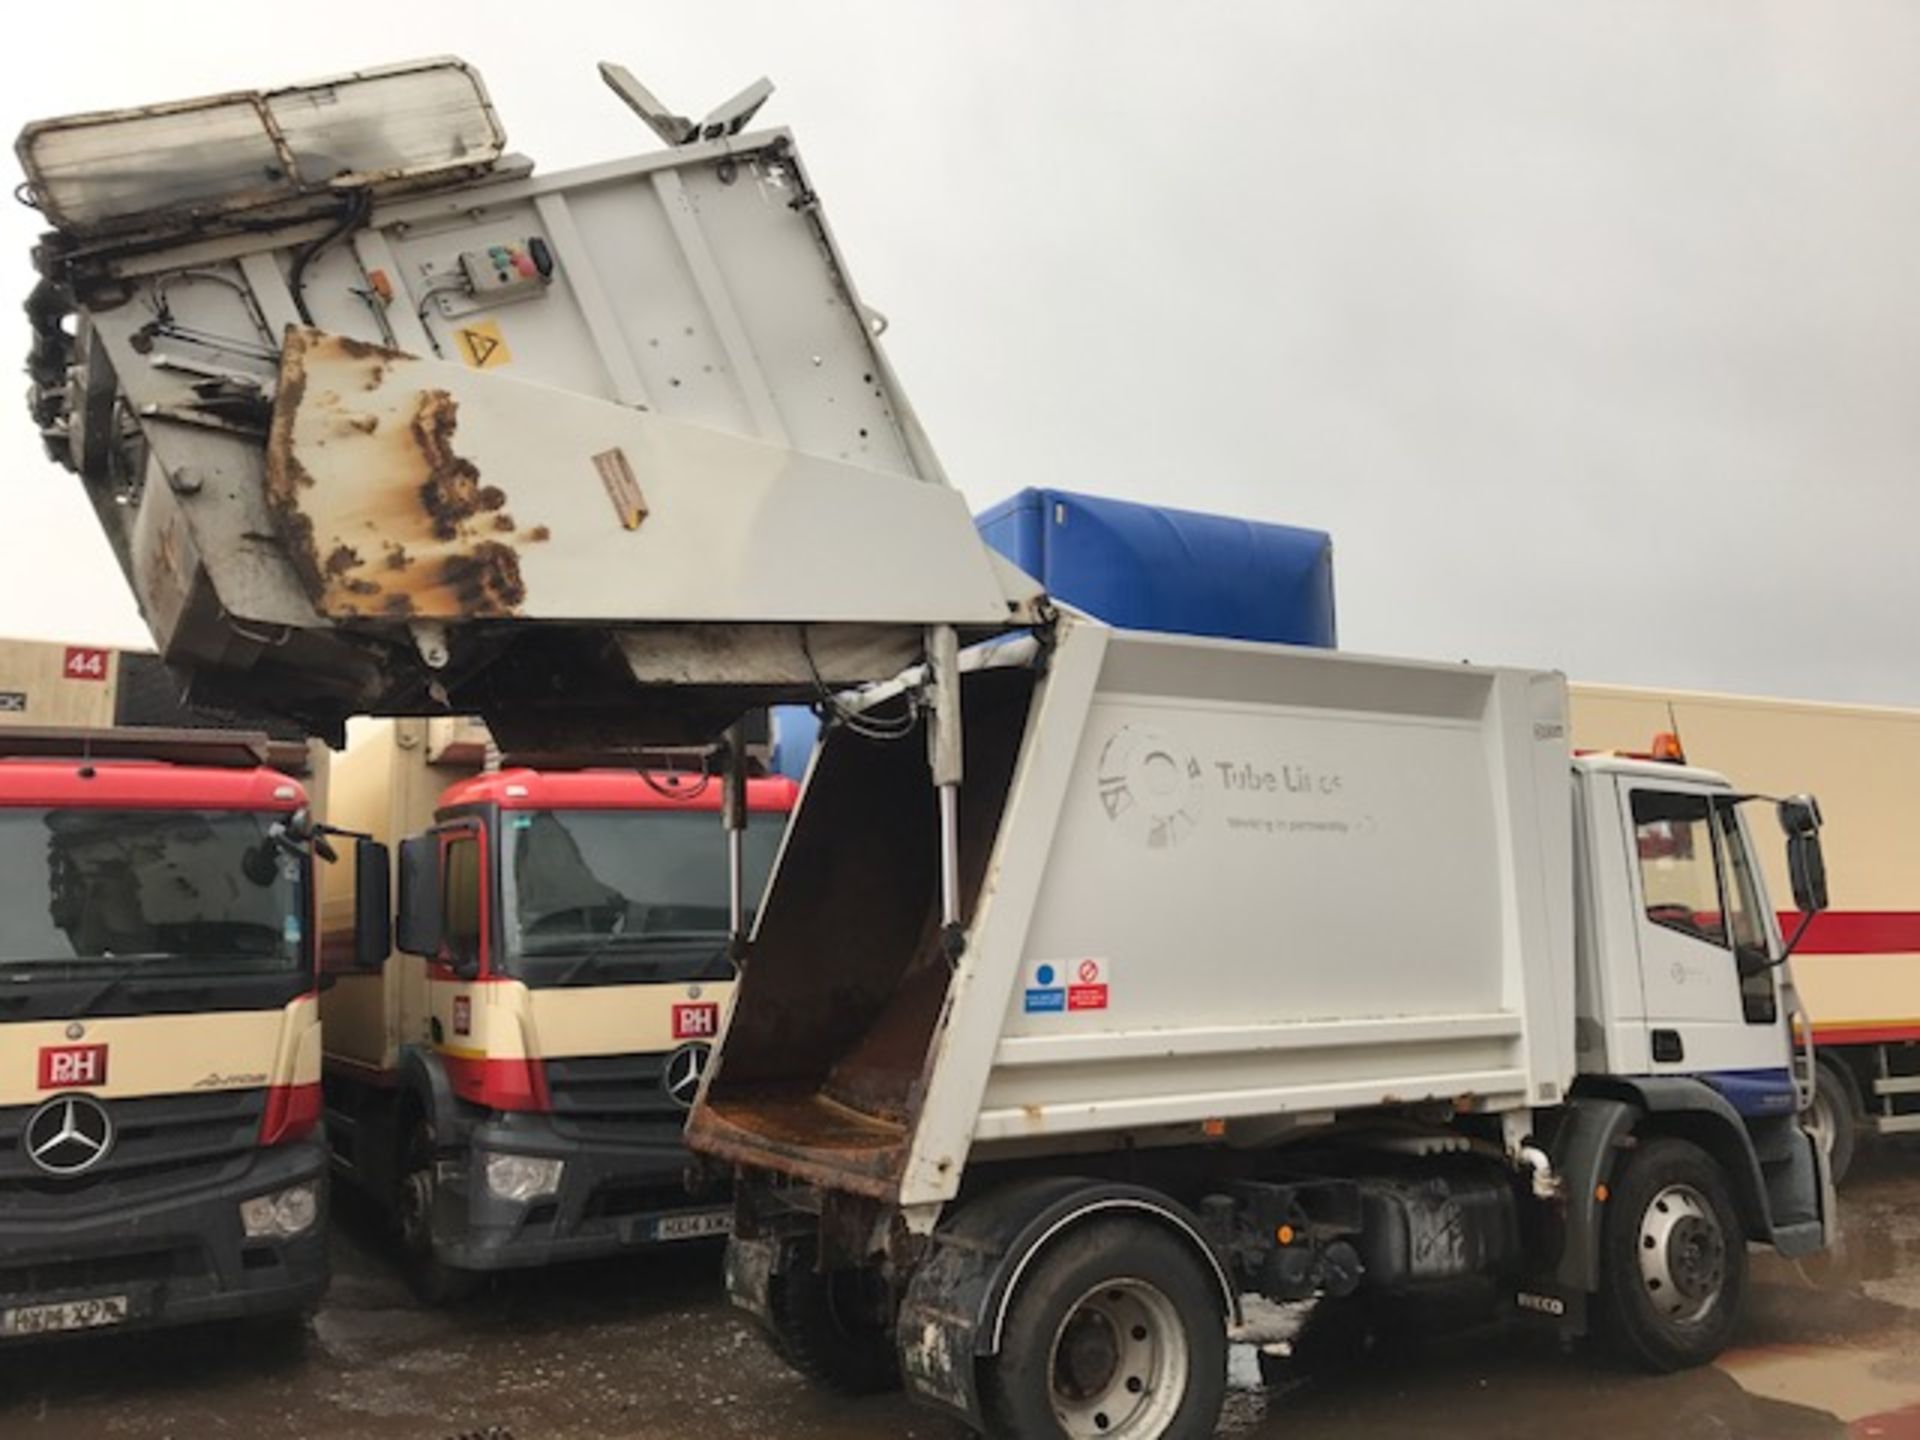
pixel 372 906
pixel 299 835
pixel 1807 868
pixel 1800 815
pixel 418 928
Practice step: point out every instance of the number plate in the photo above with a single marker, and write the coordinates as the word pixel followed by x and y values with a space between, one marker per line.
pixel 693 1227
pixel 66 1315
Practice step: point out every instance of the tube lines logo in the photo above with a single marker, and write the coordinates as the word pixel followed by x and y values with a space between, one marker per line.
pixel 1150 785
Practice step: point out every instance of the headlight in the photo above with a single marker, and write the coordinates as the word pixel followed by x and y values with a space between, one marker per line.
pixel 523 1177
pixel 281 1215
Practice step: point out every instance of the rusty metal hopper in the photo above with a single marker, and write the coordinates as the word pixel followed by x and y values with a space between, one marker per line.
pixel 586 453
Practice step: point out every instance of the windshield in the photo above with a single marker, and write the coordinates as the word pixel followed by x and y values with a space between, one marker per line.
pixel 165 891
pixel 635 894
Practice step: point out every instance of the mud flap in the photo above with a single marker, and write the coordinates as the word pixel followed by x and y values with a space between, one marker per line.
pixel 939 1321
pixel 1590 1136
pixel 750 1268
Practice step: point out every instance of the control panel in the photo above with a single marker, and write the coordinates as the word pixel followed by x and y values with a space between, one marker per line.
pixel 498 274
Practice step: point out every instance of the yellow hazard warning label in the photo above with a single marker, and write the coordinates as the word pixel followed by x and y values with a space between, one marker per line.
pixel 482 346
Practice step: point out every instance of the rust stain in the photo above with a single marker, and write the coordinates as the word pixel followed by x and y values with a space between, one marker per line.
pixel 452 492
pixel 286 476
pixel 443 533
pixel 354 349
pixel 487 580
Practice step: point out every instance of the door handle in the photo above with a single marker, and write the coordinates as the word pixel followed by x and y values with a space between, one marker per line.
pixel 1667 1048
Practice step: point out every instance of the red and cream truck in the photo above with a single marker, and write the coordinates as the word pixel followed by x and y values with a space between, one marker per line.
pixel 1858 964
pixel 514 1093
pixel 160 1159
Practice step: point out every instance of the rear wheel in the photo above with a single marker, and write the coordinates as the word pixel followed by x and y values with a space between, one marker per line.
pixel 836 1326
pixel 1673 1258
pixel 432 1281
pixel 1833 1119
pixel 1116 1333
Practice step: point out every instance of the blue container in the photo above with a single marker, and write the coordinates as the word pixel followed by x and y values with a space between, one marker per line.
pixel 1145 567
pixel 795 728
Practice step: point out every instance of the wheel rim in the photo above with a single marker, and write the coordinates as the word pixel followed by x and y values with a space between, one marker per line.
pixel 1683 1255
pixel 416 1208
pixel 1119 1363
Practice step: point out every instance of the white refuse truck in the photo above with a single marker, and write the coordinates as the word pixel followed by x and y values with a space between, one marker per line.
pixel 1285 975
pixel 1110 987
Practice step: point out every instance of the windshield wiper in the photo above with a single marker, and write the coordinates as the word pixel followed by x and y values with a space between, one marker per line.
pixel 110 973
pixel 599 948
pixel 114 980
pixel 630 946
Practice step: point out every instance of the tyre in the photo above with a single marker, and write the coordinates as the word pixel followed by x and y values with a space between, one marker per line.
pixel 432 1282
pixel 1834 1117
pixel 1673 1258
pixel 835 1327
pixel 1116 1332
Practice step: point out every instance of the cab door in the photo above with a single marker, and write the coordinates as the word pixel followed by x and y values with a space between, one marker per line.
pixel 1707 946
pixel 456 974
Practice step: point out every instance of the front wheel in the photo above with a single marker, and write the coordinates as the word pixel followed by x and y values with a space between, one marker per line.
pixel 432 1281
pixel 836 1326
pixel 1116 1334
pixel 1833 1119
pixel 1673 1258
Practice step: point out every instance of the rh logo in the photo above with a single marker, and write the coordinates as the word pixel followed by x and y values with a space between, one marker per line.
pixel 72 1067
pixel 696 1022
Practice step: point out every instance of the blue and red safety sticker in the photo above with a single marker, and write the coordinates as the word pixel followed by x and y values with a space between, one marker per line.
pixel 1057 986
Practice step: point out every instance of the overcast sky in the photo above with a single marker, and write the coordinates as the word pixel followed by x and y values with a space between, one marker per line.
pixel 1589 331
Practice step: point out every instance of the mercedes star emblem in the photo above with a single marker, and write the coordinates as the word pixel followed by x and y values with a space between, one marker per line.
pixel 68 1135
pixel 685 1067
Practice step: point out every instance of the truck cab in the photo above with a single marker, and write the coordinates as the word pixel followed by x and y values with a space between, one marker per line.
pixel 160 1160
pixel 1679 963
pixel 514 1081
pixel 1858 966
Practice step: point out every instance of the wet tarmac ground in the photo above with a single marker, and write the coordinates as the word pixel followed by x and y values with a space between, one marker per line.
pixel 647 1349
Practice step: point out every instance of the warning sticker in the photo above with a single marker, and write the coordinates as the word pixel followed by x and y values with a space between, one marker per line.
pixel 1089 988
pixel 1046 989
pixel 482 346
pixel 1054 986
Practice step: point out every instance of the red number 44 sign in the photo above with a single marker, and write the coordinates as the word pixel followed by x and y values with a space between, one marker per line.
pixel 85 664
